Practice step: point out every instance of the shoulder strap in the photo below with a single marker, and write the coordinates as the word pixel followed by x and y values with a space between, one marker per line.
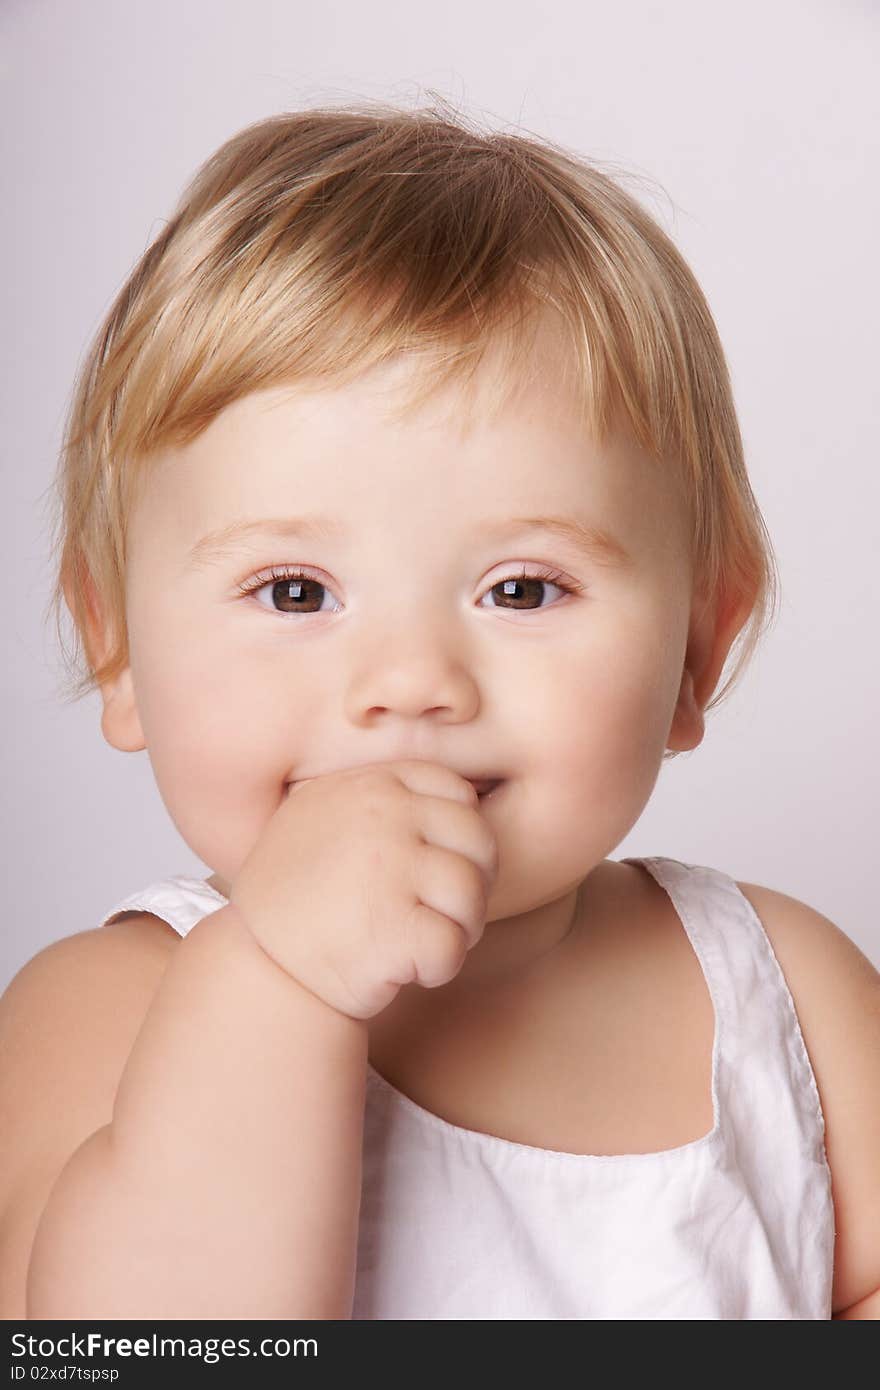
pixel 179 900
pixel 764 1092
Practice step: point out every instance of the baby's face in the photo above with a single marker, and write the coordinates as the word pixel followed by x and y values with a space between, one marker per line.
pixel 410 632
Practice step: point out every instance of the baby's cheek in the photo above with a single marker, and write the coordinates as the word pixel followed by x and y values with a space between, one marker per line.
pixel 609 764
pixel 222 831
pixel 221 777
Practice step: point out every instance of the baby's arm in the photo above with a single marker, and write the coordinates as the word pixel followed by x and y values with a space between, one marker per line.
pixel 68 1021
pixel 227 1184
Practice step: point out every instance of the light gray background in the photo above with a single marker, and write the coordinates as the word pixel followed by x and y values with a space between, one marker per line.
pixel 759 124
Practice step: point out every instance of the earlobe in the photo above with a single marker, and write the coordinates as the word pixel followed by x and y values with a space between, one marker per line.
pixel 713 630
pixel 120 721
pixel 688 725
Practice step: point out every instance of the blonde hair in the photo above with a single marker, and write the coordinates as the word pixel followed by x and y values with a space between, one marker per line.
pixel 316 243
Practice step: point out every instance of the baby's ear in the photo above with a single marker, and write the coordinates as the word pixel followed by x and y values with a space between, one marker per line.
pixel 120 721
pixel 714 624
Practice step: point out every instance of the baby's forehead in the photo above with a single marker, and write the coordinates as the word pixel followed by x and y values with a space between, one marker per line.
pixel 404 440
pixel 341 443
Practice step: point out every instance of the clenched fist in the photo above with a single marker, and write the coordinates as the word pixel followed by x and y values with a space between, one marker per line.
pixel 368 879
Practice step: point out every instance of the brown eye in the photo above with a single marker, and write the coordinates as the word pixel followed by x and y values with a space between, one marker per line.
pixel 291 591
pixel 297 595
pixel 523 591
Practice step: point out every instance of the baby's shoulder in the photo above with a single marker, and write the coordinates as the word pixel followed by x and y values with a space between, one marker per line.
pixel 92 983
pixel 828 976
pixel 835 989
pixel 72 1012
pixel 68 1021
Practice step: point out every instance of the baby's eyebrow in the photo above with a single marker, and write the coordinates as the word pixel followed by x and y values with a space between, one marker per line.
pixel 217 545
pixel 581 535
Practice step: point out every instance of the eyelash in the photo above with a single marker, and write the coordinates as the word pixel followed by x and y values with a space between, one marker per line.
pixel 277 574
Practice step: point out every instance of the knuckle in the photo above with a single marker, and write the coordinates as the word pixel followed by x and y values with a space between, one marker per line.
pixel 454 944
pixel 474 892
pixel 467 877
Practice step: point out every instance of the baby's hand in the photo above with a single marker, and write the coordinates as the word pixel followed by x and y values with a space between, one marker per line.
pixel 370 878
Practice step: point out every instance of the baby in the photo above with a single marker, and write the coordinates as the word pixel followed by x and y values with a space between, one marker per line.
pixel 405 523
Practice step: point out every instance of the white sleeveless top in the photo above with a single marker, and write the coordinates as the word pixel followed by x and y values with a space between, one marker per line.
pixel 457 1224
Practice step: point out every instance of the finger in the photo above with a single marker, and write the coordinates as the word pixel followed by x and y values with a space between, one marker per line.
pixel 453 886
pixel 438 946
pixel 462 829
pixel 435 779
